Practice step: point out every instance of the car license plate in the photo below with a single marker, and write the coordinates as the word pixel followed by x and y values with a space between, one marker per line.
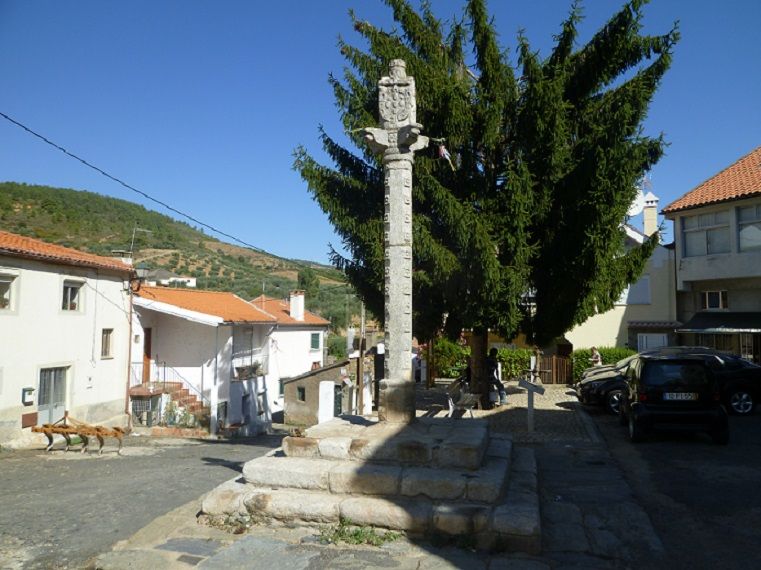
pixel 680 396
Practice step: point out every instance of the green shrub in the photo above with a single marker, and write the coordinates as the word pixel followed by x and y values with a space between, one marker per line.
pixel 337 346
pixel 609 354
pixel 515 362
pixel 451 358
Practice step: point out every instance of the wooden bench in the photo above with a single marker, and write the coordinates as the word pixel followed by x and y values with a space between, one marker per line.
pixel 459 398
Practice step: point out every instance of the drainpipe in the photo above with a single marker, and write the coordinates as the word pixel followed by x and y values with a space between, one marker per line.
pixel 214 389
pixel 129 357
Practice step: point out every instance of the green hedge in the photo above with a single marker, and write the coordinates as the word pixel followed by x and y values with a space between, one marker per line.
pixel 515 362
pixel 609 354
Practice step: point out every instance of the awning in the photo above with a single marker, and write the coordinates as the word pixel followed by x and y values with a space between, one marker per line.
pixel 718 322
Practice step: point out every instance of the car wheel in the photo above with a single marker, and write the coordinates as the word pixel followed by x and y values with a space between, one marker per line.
pixel 613 401
pixel 741 402
pixel 721 436
pixel 635 430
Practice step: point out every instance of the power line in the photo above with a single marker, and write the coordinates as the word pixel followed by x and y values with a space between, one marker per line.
pixel 144 194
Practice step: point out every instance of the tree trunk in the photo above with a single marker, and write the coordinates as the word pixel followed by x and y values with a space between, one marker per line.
pixel 479 344
pixel 430 365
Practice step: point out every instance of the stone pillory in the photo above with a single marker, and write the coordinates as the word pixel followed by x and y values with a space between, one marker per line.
pixel 398 139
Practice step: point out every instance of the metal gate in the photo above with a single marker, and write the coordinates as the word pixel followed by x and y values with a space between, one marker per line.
pixel 51 402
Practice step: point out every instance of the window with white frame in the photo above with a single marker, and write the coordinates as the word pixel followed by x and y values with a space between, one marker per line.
pixel 71 296
pixel 6 292
pixel 749 227
pixel 105 343
pixel 315 341
pixel 706 234
pixel 713 300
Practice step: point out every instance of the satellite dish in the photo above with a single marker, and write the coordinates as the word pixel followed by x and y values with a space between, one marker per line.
pixel 637 205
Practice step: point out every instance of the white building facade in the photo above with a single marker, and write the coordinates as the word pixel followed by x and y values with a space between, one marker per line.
pixel 229 352
pixel 64 337
pixel 645 315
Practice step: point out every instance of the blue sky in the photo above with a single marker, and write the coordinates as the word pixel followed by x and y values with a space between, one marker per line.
pixel 200 104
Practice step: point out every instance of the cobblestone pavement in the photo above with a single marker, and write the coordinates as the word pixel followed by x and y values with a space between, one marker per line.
pixel 60 509
pixel 557 415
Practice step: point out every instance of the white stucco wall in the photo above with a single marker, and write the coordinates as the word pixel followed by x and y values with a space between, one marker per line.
pixel 611 328
pixel 290 352
pixel 198 353
pixel 35 333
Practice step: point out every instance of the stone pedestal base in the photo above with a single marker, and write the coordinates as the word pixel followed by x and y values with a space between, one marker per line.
pixel 397 401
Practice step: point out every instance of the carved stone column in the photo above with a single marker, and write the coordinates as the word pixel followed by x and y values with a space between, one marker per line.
pixel 398 139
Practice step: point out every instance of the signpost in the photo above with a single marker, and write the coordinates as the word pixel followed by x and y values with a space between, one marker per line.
pixel 532 388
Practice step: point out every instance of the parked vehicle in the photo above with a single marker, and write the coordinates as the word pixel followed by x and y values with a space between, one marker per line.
pixel 672 392
pixel 739 380
pixel 604 388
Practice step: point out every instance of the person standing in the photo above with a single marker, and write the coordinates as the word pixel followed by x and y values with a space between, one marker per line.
pixel 492 374
pixel 596 358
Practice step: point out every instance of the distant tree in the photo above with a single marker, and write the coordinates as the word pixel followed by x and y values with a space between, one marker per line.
pixel 310 284
pixel 522 228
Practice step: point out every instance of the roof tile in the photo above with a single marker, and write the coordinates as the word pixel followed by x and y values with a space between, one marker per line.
pixel 228 306
pixel 282 311
pixel 21 246
pixel 740 180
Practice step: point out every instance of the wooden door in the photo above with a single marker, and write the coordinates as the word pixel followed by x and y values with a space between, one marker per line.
pixel 146 355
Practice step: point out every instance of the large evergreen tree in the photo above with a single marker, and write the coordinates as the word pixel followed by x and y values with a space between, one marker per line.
pixel 521 230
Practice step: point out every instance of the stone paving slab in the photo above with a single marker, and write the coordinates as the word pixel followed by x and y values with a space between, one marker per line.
pixel 443 442
pixel 568 452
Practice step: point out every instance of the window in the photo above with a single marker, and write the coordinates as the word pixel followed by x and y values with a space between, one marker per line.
pixel 713 300
pixel 71 296
pixel 706 234
pixel 301 394
pixel 315 341
pixel 6 283
pixel 105 343
pixel 749 224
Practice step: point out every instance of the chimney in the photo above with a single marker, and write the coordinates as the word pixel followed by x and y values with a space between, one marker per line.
pixel 650 214
pixel 297 305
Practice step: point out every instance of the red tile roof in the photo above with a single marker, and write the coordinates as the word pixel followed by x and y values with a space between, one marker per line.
pixel 282 311
pixel 20 246
pixel 228 306
pixel 740 180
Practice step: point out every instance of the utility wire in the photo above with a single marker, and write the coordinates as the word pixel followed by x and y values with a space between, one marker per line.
pixel 144 194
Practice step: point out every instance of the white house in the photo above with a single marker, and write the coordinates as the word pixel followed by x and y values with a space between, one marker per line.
pixel 64 330
pixel 717 229
pixel 229 352
pixel 297 344
pixel 645 315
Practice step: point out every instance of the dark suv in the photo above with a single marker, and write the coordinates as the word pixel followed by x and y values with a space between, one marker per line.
pixel 672 392
pixel 739 380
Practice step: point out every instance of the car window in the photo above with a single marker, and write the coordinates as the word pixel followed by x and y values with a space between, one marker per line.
pixel 676 375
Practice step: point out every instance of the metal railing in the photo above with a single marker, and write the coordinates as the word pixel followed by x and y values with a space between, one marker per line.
pixel 163 374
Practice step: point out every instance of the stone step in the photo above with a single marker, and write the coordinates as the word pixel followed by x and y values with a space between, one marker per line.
pixel 357 478
pixel 435 442
pixel 512 522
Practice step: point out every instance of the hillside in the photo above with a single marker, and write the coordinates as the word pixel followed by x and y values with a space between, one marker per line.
pixel 101 224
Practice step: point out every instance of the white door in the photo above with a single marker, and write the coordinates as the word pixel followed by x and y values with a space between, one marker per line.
pixel 51 402
pixel 651 340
